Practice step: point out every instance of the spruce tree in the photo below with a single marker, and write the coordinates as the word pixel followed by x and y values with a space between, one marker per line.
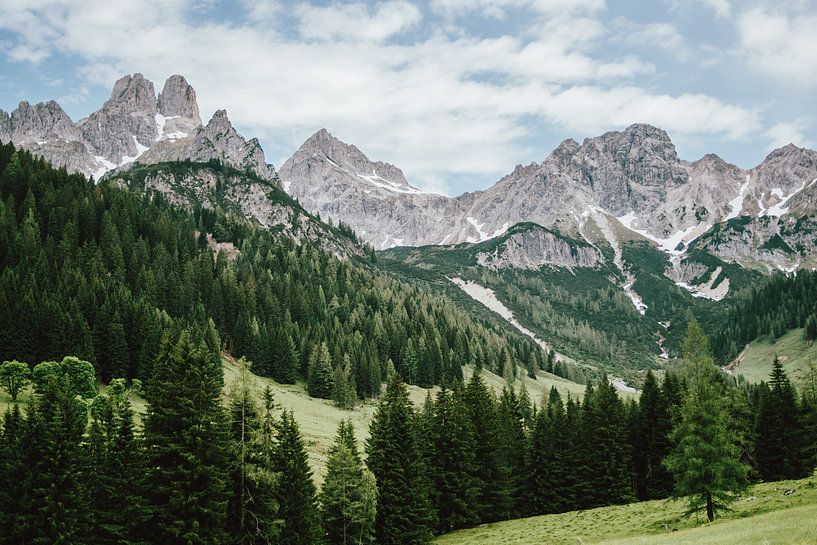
pixel 252 510
pixel 779 433
pixel 295 493
pixel 705 460
pixel 403 511
pixel 651 445
pixel 493 494
pixel 349 494
pixel 320 374
pixel 187 440
pixel 454 464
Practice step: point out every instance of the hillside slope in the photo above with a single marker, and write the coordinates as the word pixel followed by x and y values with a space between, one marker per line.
pixel 782 512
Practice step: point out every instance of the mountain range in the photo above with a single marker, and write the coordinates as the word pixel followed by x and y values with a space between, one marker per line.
pixel 619 211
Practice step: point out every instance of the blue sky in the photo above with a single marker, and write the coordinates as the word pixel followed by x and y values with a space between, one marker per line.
pixel 455 92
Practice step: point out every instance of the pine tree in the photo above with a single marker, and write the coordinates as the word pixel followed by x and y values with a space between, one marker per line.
pixel 320 374
pixel 652 428
pixel 454 464
pixel 187 439
pixel 344 392
pixel 115 470
pixel 403 511
pixel 349 494
pixel 493 494
pixel 512 449
pixel 705 460
pixel 252 511
pixel 779 434
pixel 295 493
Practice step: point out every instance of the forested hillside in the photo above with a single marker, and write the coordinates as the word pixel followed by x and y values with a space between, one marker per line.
pixel 104 273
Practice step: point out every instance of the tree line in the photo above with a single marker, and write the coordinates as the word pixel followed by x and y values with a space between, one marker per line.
pixel 203 472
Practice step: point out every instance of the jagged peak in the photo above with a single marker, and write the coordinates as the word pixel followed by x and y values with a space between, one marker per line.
pixel 178 98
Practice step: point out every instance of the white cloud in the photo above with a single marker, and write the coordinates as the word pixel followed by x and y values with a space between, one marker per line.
pixel 662 35
pixel 435 104
pixel 498 8
pixel 354 21
pixel 721 8
pixel 790 132
pixel 778 44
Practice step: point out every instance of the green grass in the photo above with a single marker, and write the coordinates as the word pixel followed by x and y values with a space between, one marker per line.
pixel 756 364
pixel 764 515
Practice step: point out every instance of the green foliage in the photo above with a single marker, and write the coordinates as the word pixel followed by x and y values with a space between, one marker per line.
pixel 187 440
pixel 779 431
pixel 349 494
pixel 403 510
pixel 77 375
pixel 14 377
pixel 705 460
pixel 320 375
pixel 252 509
pixel 296 493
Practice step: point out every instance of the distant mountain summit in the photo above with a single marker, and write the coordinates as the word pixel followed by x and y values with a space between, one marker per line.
pixel 134 124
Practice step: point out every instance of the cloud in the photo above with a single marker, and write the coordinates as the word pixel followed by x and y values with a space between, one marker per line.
pixel 778 44
pixel 498 8
pixel 721 8
pixel 790 132
pixel 354 21
pixel 659 35
pixel 438 105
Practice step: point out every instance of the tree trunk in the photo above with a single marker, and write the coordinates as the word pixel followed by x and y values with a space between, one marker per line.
pixel 710 508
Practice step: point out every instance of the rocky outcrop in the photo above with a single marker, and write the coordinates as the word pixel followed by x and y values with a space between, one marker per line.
pixel 536 247
pixel 218 140
pixel 633 175
pixel 125 126
pixel 245 194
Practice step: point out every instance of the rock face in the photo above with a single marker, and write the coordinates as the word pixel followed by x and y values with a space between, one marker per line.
pixel 218 140
pixel 133 125
pixel 125 126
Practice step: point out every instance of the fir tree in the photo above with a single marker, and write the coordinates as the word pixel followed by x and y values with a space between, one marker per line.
pixel 187 439
pixel 705 460
pixel 349 494
pixel 320 374
pixel 779 434
pixel 295 493
pixel 403 511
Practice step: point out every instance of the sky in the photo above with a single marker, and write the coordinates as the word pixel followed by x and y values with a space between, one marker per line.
pixel 454 92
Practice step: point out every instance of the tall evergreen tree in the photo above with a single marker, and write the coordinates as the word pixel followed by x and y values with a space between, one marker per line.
pixel 295 493
pixel 453 464
pixel 493 494
pixel 651 443
pixel 705 460
pixel 187 439
pixel 349 494
pixel 252 510
pixel 779 433
pixel 403 510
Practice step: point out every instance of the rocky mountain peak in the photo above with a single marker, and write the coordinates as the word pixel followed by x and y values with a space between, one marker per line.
pixel 132 93
pixel 178 99
pixel 39 123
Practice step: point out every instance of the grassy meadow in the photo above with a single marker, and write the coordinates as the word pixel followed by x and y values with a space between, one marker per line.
pixel 795 354
pixel 779 513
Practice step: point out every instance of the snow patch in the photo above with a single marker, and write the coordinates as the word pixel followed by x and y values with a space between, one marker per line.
pixel 106 166
pixel 140 149
pixel 378 181
pixel 445 238
pixel 782 205
pixel 736 204
pixel 669 244
pixel 478 227
pixel 161 123
pixel 286 186
pixel 706 291
pixel 607 231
